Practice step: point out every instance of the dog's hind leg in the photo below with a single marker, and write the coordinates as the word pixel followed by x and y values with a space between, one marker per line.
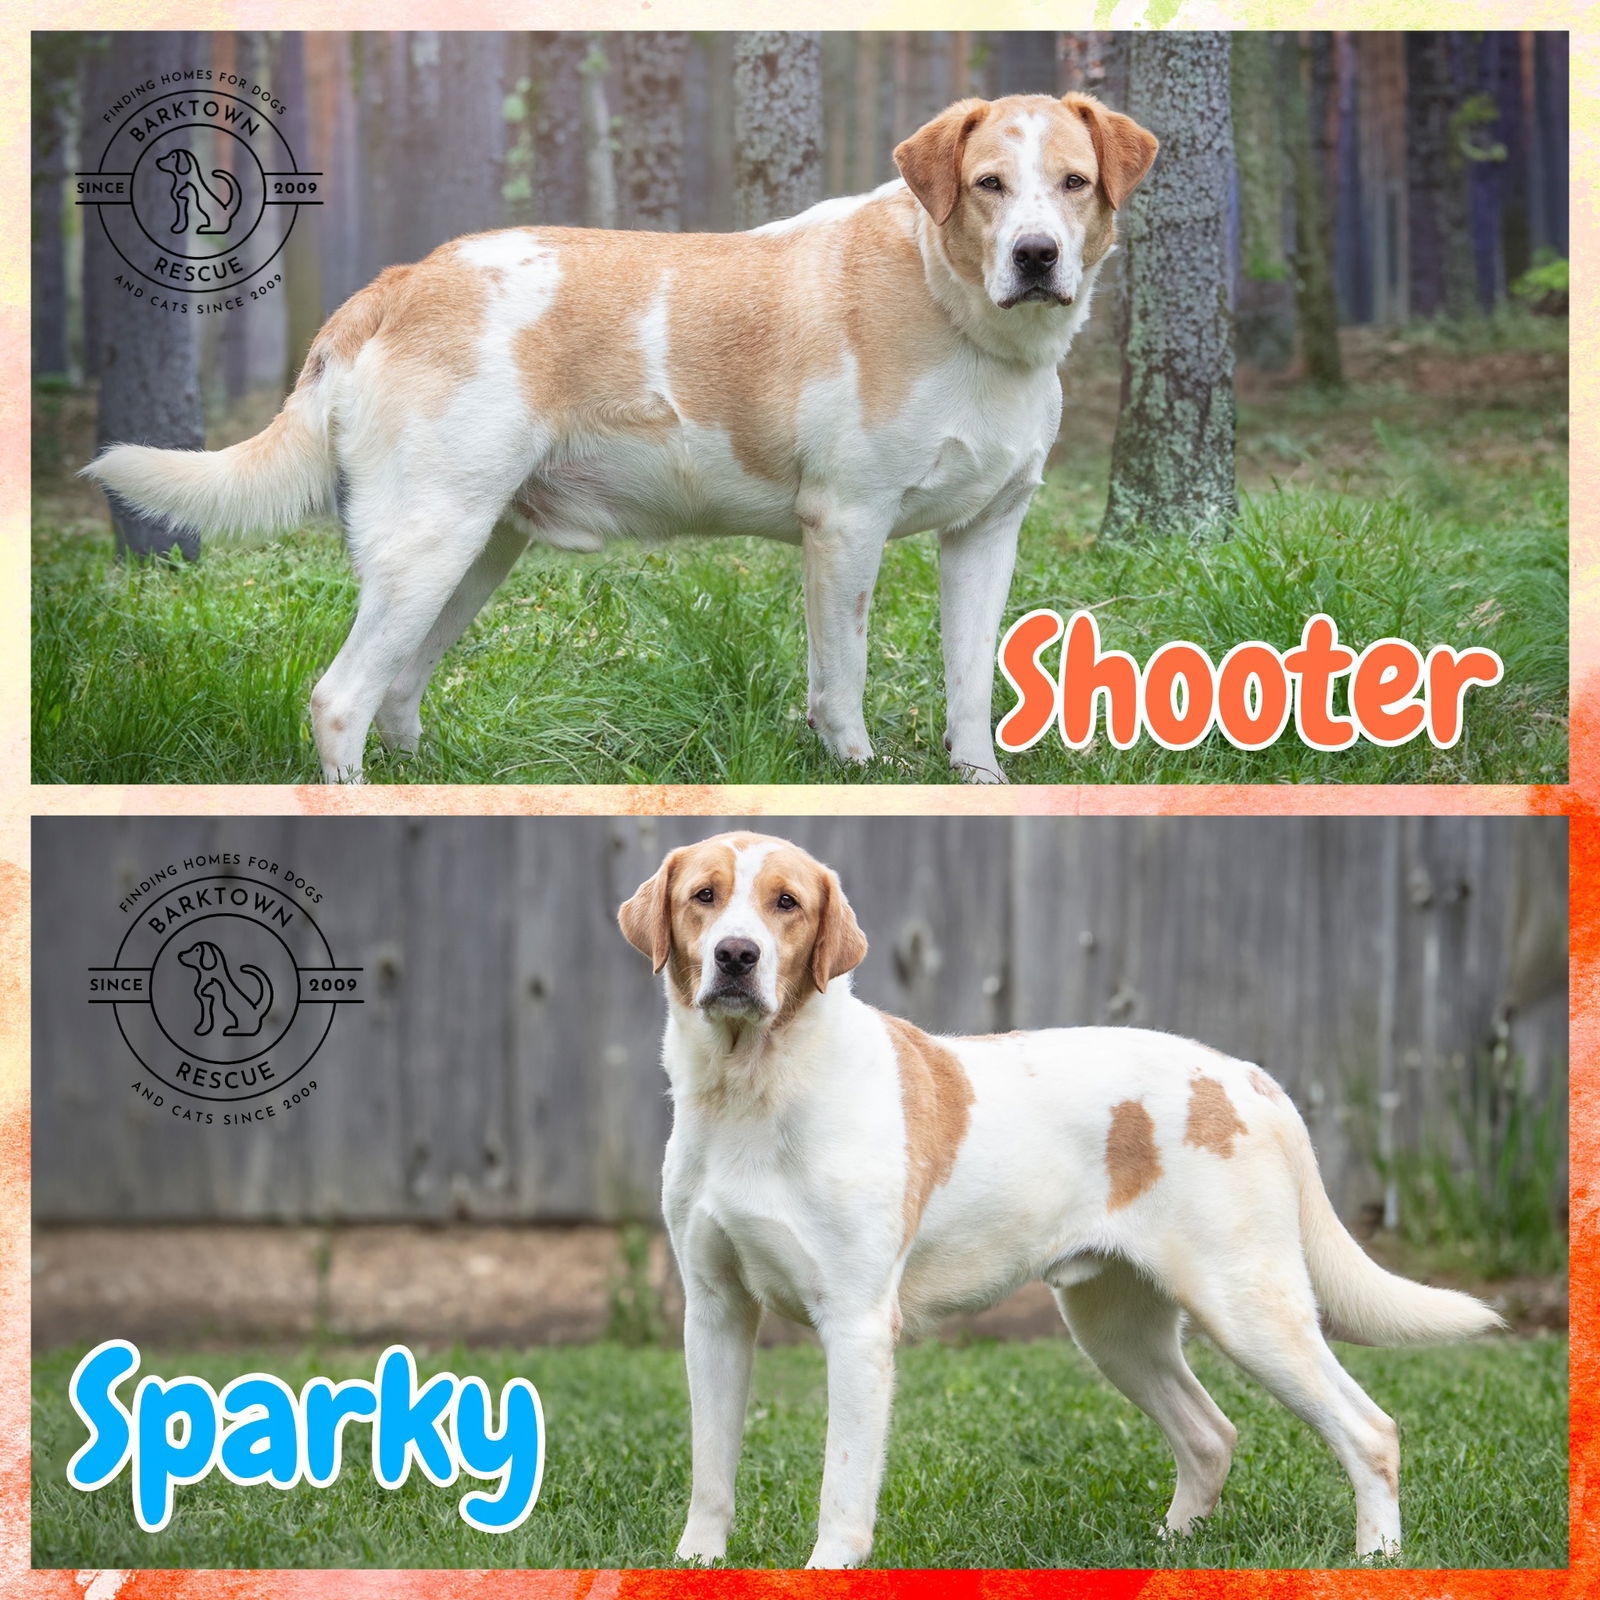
pixel 1130 1330
pixel 399 714
pixel 1265 1317
pixel 411 554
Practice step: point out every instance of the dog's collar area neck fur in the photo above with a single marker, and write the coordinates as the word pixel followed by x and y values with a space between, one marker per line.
pixel 734 1064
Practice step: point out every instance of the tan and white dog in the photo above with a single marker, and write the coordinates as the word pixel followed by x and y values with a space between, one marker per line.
pixel 876 366
pixel 844 1169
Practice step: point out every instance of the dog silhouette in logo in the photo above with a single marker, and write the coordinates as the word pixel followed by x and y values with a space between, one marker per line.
pixel 215 986
pixel 192 194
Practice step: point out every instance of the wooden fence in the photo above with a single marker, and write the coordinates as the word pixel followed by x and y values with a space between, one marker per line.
pixel 505 1065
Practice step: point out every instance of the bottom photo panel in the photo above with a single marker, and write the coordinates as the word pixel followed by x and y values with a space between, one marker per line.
pixel 570 1193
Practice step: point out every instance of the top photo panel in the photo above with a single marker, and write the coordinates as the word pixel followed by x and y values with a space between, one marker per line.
pixel 771 408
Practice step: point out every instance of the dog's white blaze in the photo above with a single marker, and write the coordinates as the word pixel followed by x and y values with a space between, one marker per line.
pixel 503 251
pixel 741 919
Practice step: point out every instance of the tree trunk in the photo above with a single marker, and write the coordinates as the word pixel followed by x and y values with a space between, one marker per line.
pixel 147 357
pixel 652 129
pixel 599 158
pixel 559 186
pixel 869 93
pixel 1383 160
pixel 99 263
pixel 777 88
pixel 302 265
pixel 838 78
pixel 55 65
pixel 1551 78
pixel 1441 245
pixel 1264 296
pixel 721 140
pixel 1316 308
pixel 1172 460
pixel 1352 248
pixel 467 144
pixel 337 154
pixel 1486 141
pixel 901 117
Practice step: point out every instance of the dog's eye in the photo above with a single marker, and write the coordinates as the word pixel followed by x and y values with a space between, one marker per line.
pixel 706 896
pixel 991 183
pixel 787 902
pixel 1073 181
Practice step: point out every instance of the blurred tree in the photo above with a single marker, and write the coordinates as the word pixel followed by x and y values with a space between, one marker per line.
pixel 1381 135
pixel 99 259
pixel 1264 296
pixel 1442 273
pixel 559 179
pixel 1486 138
pixel 652 129
pixel 146 357
pixel 1316 306
pixel 1549 80
pixel 777 88
pixel 1172 460
pixel 55 75
pixel 871 157
pixel 301 258
pixel 467 145
pixel 838 69
pixel 599 147
pixel 335 154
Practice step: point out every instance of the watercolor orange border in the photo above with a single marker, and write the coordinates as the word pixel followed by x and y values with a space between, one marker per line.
pixel 1579 799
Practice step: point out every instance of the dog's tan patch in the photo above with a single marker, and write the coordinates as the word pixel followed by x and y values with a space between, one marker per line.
pixel 936 1098
pixel 429 319
pixel 1212 1121
pixel 580 379
pixel 1263 1085
pixel 1132 1159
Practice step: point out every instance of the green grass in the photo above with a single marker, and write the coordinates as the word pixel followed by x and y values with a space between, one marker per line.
pixel 1437 517
pixel 1002 1455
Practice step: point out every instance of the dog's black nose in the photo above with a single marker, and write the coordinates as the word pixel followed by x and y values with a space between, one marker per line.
pixel 736 956
pixel 1034 254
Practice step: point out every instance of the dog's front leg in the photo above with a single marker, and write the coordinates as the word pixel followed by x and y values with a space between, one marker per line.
pixel 860 1352
pixel 975 564
pixel 842 555
pixel 719 1337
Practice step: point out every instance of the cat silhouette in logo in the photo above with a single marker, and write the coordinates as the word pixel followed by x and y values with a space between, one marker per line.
pixel 215 985
pixel 191 191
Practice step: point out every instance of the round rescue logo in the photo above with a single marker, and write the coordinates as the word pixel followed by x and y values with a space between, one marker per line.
pixel 225 989
pixel 198 189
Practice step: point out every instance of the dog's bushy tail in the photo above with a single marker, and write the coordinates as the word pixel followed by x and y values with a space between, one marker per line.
pixel 1360 1301
pixel 262 485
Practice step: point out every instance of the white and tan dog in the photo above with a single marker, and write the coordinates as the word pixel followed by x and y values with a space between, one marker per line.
pixel 877 366
pixel 844 1169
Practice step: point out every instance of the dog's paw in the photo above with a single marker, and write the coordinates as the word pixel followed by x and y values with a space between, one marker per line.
pixel 979 772
pixel 701 1552
pixel 703 1543
pixel 837 1553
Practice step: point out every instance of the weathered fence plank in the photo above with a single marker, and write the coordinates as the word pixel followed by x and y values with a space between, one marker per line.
pixel 505 1063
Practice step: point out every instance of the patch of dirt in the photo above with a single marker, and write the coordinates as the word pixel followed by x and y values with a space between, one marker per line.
pixel 216 1287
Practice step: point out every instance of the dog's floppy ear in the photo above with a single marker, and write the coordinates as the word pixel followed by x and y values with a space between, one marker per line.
pixel 646 919
pixel 930 160
pixel 841 945
pixel 1124 150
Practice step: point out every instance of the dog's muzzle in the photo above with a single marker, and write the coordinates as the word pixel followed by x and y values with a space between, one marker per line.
pixel 1034 259
pixel 733 984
